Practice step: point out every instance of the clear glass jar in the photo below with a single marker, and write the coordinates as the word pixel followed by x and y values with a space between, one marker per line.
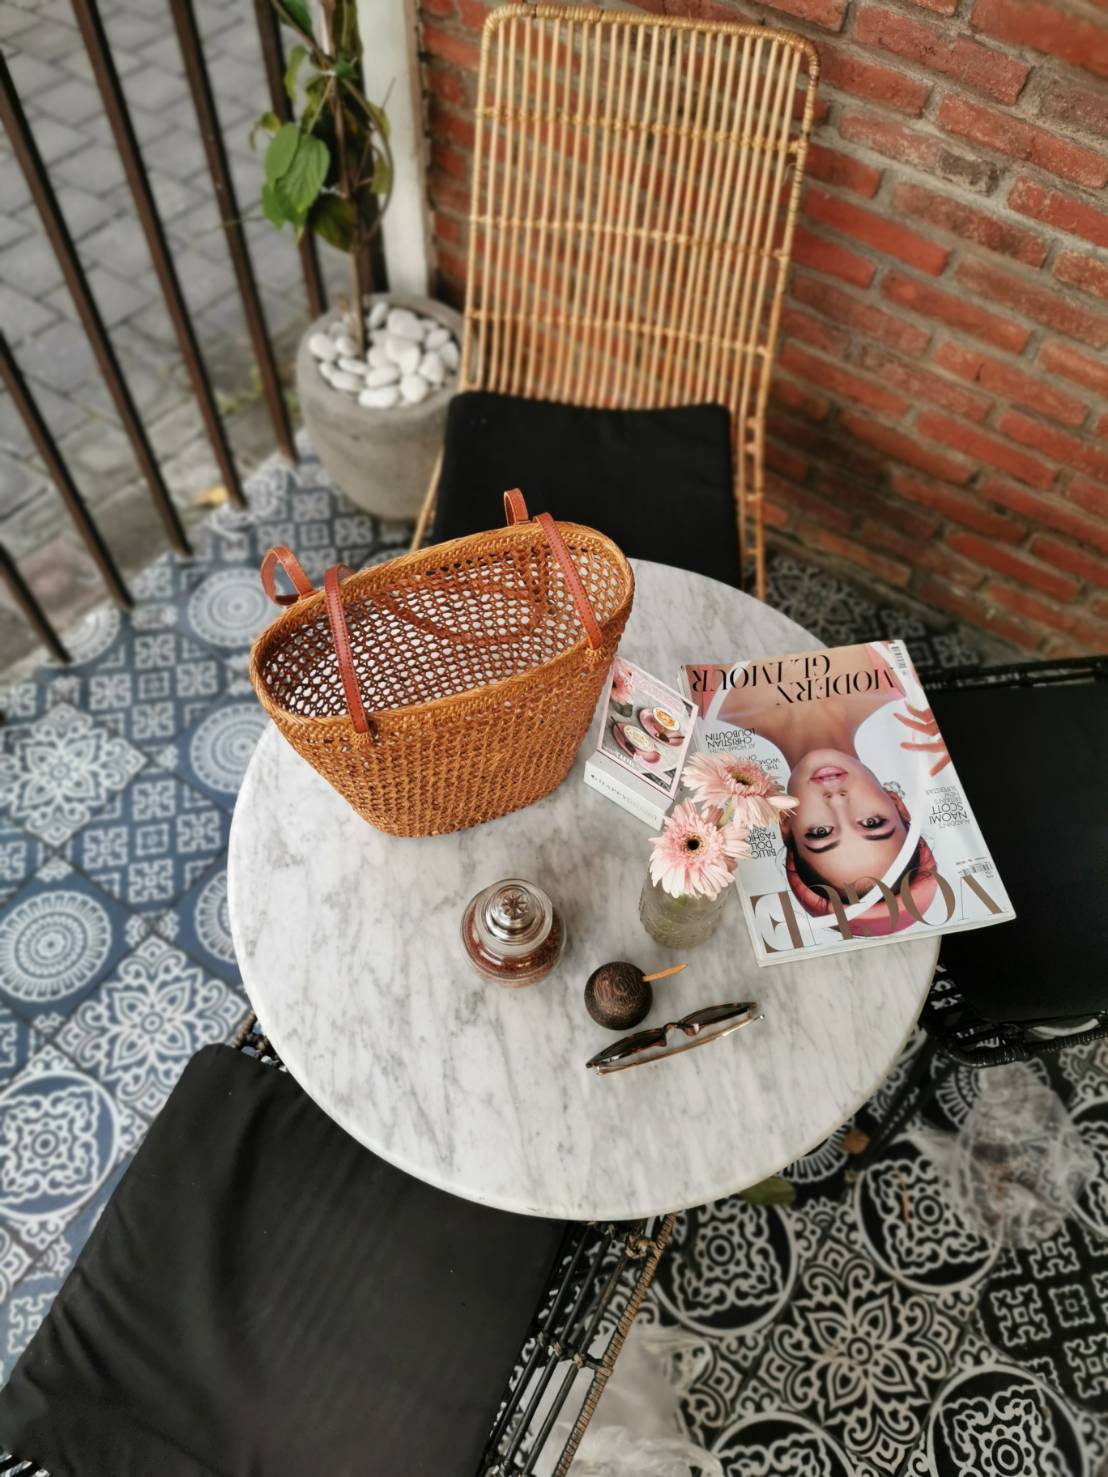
pixel 513 933
pixel 680 922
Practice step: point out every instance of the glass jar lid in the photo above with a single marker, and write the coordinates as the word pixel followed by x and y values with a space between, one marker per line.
pixel 512 918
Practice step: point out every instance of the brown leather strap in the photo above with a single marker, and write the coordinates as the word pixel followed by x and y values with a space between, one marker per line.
pixel 340 635
pixel 515 509
pixel 282 555
pixel 572 579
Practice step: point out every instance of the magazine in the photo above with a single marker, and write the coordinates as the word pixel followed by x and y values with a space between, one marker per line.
pixel 882 846
pixel 642 739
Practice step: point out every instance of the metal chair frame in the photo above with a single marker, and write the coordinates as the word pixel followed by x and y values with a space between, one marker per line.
pixel 955 1034
pixel 636 183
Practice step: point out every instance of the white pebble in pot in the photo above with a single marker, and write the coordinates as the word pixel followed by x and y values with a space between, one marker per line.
pixel 388 374
pixel 378 357
pixel 414 388
pixel 404 324
pixel 449 354
pixel 436 337
pixel 432 368
pixel 382 397
pixel 377 314
pixel 322 346
pixel 349 382
pixel 404 353
pixel 346 345
pixel 352 366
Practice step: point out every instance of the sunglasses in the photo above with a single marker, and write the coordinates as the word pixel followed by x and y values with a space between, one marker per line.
pixel 628 1051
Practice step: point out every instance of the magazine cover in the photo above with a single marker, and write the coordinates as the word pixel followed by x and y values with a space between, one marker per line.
pixel 882 845
pixel 647 727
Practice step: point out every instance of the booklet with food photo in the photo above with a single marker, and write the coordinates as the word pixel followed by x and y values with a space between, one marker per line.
pixel 642 740
pixel 880 844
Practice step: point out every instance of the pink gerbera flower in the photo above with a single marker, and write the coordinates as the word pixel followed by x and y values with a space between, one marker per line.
pixel 695 854
pixel 753 797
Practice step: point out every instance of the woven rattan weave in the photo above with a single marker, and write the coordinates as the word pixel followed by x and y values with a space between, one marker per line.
pixel 472 676
pixel 636 182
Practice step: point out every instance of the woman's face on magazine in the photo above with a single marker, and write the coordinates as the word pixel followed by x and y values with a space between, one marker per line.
pixel 846 827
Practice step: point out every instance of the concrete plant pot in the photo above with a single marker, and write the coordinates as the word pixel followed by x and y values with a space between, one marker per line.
pixel 381 459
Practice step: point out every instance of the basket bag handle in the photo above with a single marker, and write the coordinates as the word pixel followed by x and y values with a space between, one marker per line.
pixel 515 510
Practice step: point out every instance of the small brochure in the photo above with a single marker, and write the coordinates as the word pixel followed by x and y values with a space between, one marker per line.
pixel 644 734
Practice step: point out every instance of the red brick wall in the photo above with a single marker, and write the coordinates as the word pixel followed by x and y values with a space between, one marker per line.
pixel 941 411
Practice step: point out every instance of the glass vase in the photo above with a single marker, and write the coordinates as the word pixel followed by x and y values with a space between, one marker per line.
pixel 680 922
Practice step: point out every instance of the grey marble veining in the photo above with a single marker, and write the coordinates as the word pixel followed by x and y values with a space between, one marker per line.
pixel 349 946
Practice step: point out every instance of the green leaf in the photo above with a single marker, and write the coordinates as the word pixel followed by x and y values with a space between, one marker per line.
pixel 273 207
pixel 268 122
pixel 381 183
pixel 774 1191
pixel 346 66
pixel 380 118
pixel 296 12
pixel 303 179
pixel 332 218
pixel 281 152
pixel 296 61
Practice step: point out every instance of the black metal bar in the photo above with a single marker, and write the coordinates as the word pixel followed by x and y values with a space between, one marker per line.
pixel 24 598
pixel 115 106
pixel 38 182
pixel 273 55
pixel 196 72
pixel 47 448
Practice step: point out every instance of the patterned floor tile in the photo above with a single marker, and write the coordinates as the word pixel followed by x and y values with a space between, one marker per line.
pixel 20 855
pixel 21 1312
pixel 857 1355
pixel 772 1442
pixel 139 1030
pixel 199 924
pixel 712 1323
pixel 1046 1307
pixel 152 841
pixel 61 1135
pixel 59 937
pixel 18 1043
pixel 213 754
pixel 144 681
pixel 994 1419
pixel 60 771
pixel 904 1217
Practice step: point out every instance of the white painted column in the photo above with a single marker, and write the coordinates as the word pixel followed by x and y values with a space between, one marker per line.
pixel 389 33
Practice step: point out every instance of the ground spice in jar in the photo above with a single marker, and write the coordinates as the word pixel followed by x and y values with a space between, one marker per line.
pixel 512 933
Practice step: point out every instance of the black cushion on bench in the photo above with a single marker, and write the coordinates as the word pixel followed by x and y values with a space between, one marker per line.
pixel 658 482
pixel 263 1295
pixel 1032 763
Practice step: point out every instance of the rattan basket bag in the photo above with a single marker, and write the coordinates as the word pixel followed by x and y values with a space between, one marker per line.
pixel 451 685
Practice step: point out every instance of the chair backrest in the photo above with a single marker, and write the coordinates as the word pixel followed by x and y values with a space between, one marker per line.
pixel 635 186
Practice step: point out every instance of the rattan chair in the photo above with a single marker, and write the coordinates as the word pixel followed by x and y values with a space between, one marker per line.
pixel 1021 735
pixel 635 189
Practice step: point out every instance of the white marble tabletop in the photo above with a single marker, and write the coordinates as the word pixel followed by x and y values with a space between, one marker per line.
pixel 349 946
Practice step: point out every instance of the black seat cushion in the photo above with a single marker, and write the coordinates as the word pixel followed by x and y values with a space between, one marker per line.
pixel 658 482
pixel 263 1296
pixel 1032 763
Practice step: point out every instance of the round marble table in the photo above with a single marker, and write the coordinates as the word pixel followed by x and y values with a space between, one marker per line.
pixel 348 941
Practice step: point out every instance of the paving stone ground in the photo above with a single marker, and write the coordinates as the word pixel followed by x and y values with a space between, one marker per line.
pixel 44 51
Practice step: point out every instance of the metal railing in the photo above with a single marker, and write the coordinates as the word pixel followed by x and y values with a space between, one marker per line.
pixel 30 160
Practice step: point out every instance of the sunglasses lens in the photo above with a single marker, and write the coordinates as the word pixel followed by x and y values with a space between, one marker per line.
pixel 629 1046
pixel 712 1015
